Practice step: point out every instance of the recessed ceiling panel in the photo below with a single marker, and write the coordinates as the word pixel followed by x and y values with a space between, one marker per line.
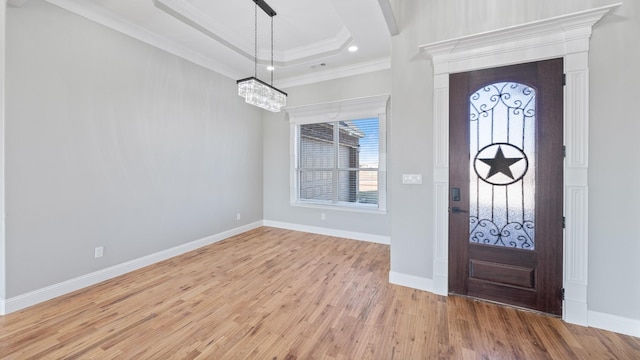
pixel 219 34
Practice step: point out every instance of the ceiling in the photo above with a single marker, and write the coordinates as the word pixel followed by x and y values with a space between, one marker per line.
pixel 310 38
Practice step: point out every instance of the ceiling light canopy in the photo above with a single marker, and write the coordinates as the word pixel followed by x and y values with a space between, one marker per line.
pixel 255 91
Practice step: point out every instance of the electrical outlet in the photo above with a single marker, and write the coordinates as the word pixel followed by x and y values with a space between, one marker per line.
pixel 98 252
pixel 238 216
pixel 323 216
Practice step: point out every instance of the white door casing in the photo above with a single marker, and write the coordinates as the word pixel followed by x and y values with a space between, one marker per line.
pixel 565 36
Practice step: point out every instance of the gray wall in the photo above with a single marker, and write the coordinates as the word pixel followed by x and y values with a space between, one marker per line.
pixel 411 148
pixel 614 171
pixel 614 238
pixel 111 142
pixel 3 294
pixel 276 156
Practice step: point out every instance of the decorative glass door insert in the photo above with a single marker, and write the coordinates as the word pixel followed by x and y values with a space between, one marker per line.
pixel 505 178
pixel 502 167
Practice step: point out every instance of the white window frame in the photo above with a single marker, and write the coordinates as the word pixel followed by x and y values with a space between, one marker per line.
pixel 345 110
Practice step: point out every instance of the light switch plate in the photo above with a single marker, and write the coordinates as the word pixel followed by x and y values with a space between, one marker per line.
pixel 412 179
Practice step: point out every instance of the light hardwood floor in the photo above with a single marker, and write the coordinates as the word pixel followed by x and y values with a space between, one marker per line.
pixel 278 294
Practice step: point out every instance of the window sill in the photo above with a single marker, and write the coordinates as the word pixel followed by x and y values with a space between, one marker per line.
pixel 341 207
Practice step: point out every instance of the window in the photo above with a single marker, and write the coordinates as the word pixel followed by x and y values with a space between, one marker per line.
pixel 338 154
pixel 338 162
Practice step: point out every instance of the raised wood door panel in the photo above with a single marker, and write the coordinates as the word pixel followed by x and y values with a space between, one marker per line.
pixel 529 275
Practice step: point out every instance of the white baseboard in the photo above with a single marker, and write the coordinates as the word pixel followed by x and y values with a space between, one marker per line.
pixel 596 319
pixel 37 296
pixel 379 239
pixel 614 323
pixel 412 281
pixel 575 312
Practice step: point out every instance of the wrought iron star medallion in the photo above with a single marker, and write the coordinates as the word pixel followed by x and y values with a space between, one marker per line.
pixel 500 164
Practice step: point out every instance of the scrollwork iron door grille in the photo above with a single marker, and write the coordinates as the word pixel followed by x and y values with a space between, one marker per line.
pixel 502 174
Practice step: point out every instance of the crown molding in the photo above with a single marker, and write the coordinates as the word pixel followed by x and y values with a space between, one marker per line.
pixel 331 74
pixel 321 49
pixel 389 17
pixel 114 22
pixel 566 33
pixel 191 16
pixel 110 20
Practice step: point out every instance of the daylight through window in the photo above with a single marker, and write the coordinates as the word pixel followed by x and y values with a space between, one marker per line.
pixel 340 162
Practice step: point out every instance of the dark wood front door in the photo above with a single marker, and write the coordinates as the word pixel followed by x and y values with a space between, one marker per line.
pixel 505 176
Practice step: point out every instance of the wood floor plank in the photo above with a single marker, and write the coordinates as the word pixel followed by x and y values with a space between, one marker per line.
pixel 279 294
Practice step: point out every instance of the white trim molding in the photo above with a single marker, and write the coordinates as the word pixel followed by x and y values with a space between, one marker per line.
pixel 335 73
pixel 567 37
pixel 186 13
pixel 411 281
pixel 378 239
pixel 614 323
pixel 191 15
pixel 23 301
pixel 343 110
pixel 389 17
pixel 349 109
pixel 34 297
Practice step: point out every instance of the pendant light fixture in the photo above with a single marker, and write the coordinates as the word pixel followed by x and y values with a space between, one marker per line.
pixel 255 91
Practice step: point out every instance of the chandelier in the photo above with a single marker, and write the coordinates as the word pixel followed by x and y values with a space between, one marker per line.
pixel 255 91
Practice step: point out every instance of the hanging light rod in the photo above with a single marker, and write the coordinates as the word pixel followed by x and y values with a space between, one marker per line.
pixel 265 7
pixel 253 90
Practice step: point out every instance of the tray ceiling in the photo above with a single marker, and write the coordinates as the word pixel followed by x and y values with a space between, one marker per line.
pixel 311 37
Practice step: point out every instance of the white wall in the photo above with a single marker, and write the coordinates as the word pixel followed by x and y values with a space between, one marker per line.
pixel 614 239
pixel 111 142
pixel 277 207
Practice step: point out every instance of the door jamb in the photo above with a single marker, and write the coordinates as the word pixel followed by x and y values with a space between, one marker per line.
pixel 566 36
